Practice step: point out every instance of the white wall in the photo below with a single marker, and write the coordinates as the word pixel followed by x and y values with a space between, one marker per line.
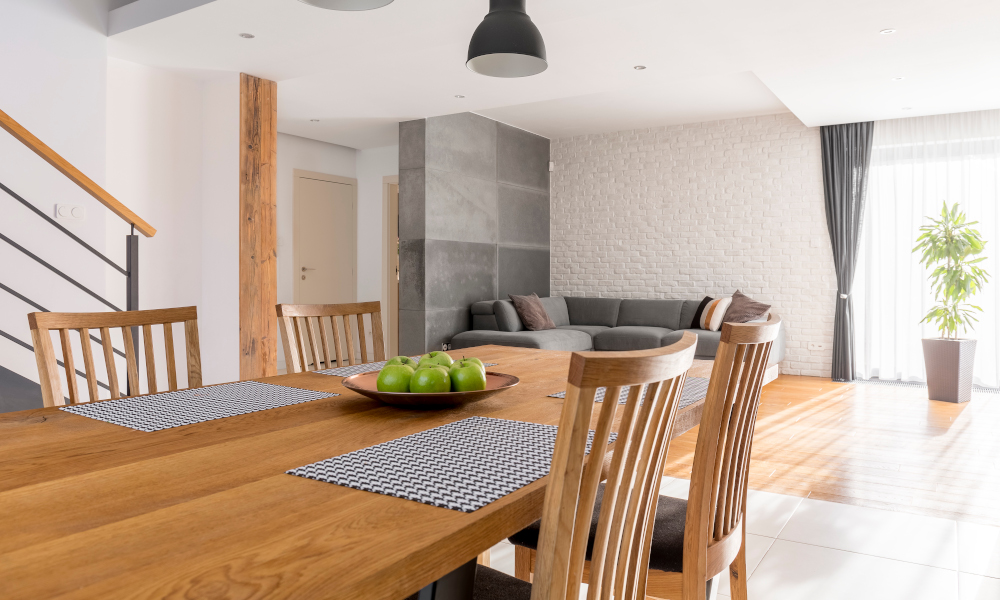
pixel 53 73
pixel 700 209
pixel 373 165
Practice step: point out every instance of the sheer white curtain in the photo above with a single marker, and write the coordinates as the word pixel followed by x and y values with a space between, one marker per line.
pixel 917 164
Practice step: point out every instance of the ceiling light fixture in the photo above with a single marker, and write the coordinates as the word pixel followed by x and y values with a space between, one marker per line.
pixel 639 67
pixel 897 78
pixel 314 120
pixel 907 108
pixel 507 43
pixel 459 96
pixel 247 36
pixel 347 4
pixel 888 31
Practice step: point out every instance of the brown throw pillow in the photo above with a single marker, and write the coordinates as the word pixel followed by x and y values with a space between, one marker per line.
pixel 532 313
pixel 744 310
pixel 696 321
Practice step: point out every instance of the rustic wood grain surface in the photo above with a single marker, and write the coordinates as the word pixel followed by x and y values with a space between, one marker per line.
pixel 94 510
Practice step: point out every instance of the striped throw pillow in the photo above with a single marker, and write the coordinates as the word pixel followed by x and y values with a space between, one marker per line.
pixel 711 318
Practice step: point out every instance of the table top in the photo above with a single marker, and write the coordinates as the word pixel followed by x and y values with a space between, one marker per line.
pixel 92 509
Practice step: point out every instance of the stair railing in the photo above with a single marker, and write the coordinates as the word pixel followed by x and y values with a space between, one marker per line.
pixel 131 269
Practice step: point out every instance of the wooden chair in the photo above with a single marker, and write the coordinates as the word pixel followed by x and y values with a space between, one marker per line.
pixel 43 323
pixel 697 539
pixel 626 503
pixel 304 326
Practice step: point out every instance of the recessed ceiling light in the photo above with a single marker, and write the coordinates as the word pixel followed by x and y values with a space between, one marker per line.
pixel 888 31
pixel 459 96
pixel 907 108
pixel 347 4
pixel 897 78
pixel 314 120
pixel 639 67
pixel 247 36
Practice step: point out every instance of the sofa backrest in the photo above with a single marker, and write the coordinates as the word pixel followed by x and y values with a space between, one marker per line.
pixel 483 317
pixel 650 313
pixel 593 311
pixel 507 319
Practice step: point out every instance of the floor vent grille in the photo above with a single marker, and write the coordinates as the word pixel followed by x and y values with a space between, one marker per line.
pixel 979 389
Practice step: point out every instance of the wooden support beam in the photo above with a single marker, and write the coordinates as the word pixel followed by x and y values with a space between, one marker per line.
pixel 258 227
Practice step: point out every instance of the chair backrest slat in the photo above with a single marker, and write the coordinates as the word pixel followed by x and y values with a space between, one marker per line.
pixel 43 324
pixel 621 546
pixel 70 366
pixel 109 361
pixel 717 497
pixel 304 333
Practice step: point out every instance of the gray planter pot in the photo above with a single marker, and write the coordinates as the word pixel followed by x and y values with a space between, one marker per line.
pixel 949 369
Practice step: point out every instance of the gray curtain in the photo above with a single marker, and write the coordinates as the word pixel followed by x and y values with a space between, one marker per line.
pixel 847 151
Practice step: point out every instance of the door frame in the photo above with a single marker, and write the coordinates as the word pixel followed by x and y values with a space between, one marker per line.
pixel 391 329
pixel 303 174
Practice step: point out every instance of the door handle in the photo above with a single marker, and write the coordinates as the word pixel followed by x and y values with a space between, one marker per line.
pixel 304 269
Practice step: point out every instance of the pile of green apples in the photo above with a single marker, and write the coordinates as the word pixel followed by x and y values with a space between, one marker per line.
pixel 434 373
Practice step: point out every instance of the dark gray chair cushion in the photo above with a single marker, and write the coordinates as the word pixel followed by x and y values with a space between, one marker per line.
pixel 667 552
pixel 506 315
pixel 593 311
pixel 635 338
pixel 590 330
pixel 708 343
pixel 650 313
pixel 497 585
pixel 551 339
pixel 556 307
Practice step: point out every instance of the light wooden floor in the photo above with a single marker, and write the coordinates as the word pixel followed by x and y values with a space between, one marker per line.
pixel 872 445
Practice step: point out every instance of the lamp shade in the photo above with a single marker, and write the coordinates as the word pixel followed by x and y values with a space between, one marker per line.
pixel 507 43
pixel 348 4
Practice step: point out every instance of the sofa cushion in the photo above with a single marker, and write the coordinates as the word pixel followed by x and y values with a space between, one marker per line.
pixel 744 309
pixel 532 313
pixel 506 315
pixel 590 330
pixel 635 338
pixel 687 314
pixel 708 343
pixel 485 322
pixel 551 339
pixel 556 307
pixel 593 311
pixel 650 313
pixel 483 307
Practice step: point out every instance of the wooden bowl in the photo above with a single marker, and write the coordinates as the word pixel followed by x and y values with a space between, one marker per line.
pixel 365 384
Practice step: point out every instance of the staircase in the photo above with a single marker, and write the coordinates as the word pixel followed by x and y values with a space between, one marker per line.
pixel 19 389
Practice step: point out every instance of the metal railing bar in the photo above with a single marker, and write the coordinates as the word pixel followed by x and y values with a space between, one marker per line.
pixel 69 233
pixel 28 253
pixel 27 300
pixel 60 363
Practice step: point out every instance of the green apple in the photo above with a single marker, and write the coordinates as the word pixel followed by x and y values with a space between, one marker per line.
pixel 427 362
pixel 477 361
pixel 394 378
pixel 430 380
pixel 467 376
pixel 441 358
pixel 402 360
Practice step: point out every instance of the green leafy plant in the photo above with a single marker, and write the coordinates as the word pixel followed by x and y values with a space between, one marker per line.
pixel 950 247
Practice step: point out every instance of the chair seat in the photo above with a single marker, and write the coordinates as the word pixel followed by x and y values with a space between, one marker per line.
pixel 496 585
pixel 667 553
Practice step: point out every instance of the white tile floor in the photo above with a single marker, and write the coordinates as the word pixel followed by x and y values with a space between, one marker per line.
pixel 801 549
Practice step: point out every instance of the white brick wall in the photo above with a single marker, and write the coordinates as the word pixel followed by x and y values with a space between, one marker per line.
pixel 702 209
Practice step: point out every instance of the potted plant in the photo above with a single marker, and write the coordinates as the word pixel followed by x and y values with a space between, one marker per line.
pixel 949 246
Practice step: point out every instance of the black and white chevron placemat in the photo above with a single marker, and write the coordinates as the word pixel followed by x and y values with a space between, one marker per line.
pixel 366 368
pixel 695 388
pixel 184 407
pixel 463 466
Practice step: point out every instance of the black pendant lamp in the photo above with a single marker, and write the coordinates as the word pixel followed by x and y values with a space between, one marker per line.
pixel 507 43
pixel 348 4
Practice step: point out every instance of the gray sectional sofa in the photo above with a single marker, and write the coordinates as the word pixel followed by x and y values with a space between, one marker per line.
pixel 595 324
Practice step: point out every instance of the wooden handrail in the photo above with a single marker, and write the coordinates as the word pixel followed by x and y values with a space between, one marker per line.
pixel 63 166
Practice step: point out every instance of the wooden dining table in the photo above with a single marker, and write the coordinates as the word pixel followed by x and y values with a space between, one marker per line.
pixel 90 509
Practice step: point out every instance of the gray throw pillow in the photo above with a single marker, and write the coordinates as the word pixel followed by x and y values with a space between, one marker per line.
pixel 743 309
pixel 532 313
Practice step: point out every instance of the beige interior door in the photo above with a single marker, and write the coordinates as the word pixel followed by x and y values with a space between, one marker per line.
pixel 393 248
pixel 325 240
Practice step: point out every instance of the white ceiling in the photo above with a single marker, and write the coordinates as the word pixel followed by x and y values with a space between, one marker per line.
pixel 361 73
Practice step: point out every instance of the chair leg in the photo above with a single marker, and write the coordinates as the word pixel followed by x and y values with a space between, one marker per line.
pixel 522 563
pixel 738 573
pixel 484 559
